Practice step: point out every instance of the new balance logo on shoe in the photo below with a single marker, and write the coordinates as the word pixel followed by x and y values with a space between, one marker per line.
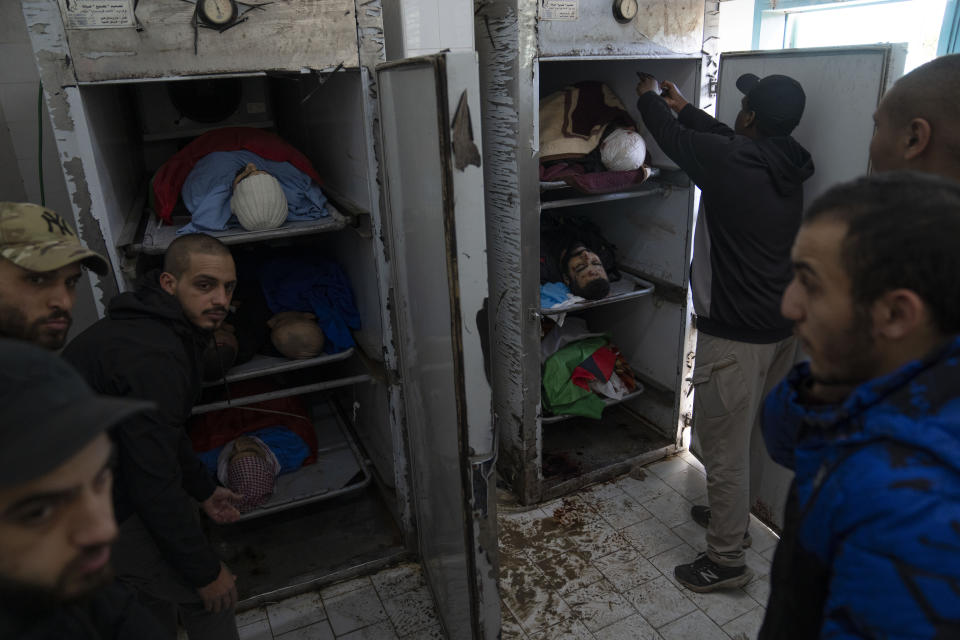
pixel 704 575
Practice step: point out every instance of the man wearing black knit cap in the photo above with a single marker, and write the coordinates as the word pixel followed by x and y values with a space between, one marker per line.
pixel 56 510
pixel 751 178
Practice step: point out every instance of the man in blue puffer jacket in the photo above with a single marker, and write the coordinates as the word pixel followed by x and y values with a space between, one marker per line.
pixel 871 542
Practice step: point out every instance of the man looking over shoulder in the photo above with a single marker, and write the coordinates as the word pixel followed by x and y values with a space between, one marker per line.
pixel 40 260
pixel 871 541
pixel 149 347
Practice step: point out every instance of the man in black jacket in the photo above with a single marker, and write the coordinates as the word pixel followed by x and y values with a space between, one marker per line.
pixel 56 512
pixel 751 178
pixel 149 347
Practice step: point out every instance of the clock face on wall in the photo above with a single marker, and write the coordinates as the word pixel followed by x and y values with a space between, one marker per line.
pixel 625 10
pixel 217 13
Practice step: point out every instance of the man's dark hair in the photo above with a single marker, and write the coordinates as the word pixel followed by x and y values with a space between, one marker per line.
pixel 572 249
pixel 176 260
pixel 931 91
pixel 593 290
pixel 903 232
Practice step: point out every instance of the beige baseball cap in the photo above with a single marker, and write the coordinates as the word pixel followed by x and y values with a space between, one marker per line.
pixel 38 239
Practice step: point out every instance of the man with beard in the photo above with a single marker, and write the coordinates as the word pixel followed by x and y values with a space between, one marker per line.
pixel 871 425
pixel 56 511
pixel 573 252
pixel 914 130
pixel 40 260
pixel 149 346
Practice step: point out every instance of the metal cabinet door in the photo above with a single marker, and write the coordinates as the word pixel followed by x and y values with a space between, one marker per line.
pixel 437 247
pixel 843 86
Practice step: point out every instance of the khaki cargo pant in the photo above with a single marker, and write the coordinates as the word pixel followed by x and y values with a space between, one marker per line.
pixel 730 381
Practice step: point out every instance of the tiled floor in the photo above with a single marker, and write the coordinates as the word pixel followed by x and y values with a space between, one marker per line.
pixel 599 564
pixel 391 605
pixel 596 565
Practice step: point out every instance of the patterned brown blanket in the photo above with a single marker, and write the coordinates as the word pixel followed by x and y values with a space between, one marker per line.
pixel 573 120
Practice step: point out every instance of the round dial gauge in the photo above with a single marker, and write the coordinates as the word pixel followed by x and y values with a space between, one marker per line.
pixel 625 10
pixel 217 13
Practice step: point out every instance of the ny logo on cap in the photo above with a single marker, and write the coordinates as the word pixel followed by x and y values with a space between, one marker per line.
pixel 52 219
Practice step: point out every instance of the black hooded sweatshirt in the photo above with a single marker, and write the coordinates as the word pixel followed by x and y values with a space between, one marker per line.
pixel 111 612
pixel 146 348
pixel 751 211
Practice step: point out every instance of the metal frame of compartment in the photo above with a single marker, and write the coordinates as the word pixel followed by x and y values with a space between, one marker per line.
pixel 523 58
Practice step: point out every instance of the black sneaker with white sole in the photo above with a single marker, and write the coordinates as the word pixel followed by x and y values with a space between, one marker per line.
pixel 701 515
pixel 704 575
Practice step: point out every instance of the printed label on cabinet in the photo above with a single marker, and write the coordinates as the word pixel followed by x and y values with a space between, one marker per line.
pixel 97 14
pixel 559 9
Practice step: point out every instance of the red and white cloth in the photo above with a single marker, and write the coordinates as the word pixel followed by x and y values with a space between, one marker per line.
pixel 253 476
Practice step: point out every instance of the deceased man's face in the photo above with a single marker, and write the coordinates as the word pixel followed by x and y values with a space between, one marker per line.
pixel 583 268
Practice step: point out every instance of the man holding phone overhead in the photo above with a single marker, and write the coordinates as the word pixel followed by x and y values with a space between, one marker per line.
pixel 752 179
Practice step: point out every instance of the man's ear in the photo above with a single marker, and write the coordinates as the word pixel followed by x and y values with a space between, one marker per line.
pixel 898 314
pixel 918 138
pixel 168 282
pixel 749 118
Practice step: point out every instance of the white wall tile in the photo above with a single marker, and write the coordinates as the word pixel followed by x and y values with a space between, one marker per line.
pixel 12 27
pixel 18 63
pixel 19 100
pixel 431 25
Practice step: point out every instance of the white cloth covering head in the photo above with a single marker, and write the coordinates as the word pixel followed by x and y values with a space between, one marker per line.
pixel 259 202
pixel 623 150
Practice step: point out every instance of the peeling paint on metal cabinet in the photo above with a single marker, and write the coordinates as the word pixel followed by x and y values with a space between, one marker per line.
pixel 506 39
pixel 290 35
pixel 72 136
pixel 662 28
pixel 371 51
pixel 471 273
pixel 512 42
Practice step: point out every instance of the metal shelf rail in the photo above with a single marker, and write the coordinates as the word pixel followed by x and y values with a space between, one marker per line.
pixel 629 287
pixel 158 236
pixel 607 402
pixel 268 365
pixel 282 393
pixel 340 468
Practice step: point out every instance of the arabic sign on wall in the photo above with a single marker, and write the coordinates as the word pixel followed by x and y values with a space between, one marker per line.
pixel 559 9
pixel 97 14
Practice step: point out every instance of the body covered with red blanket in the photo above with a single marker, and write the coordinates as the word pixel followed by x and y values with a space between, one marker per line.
pixel 169 179
pixel 214 429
